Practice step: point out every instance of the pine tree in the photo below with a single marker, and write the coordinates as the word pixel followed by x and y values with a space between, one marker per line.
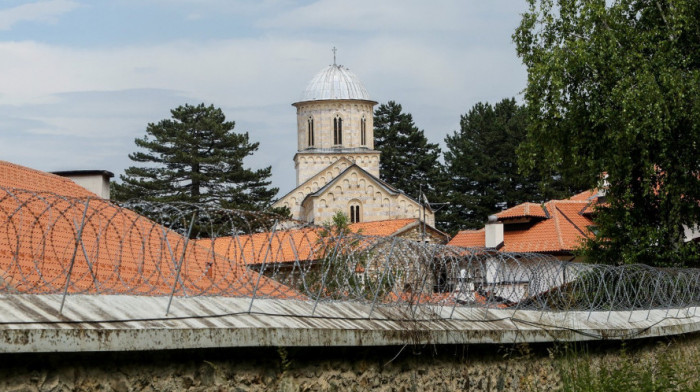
pixel 482 166
pixel 196 157
pixel 408 162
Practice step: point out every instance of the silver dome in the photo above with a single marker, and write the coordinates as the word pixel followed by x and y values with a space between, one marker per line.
pixel 334 82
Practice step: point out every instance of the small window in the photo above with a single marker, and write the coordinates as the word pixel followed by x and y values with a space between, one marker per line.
pixel 337 131
pixel 354 213
pixel 363 131
pixel 311 132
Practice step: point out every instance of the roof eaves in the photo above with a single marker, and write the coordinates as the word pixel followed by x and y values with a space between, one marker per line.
pixel 384 185
pixel 407 227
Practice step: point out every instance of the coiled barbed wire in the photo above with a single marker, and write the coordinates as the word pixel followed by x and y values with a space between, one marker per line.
pixel 53 244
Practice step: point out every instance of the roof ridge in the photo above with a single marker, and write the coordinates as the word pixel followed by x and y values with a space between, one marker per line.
pixel 36 171
pixel 572 222
pixel 383 220
pixel 380 182
pixel 471 230
pixel 50 183
pixel 557 227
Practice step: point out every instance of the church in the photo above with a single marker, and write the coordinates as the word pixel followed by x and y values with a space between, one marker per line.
pixel 337 167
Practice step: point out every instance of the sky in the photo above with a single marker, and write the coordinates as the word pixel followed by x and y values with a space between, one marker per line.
pixel 80 80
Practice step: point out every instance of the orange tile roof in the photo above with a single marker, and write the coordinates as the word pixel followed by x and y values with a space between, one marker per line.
pixel 469 239
pixel 585 195
pixel 286 246
pixel 383 228
pixel 270 247
pixel 524 210
pixel 20 177
pixel 120 252
pixel 562 231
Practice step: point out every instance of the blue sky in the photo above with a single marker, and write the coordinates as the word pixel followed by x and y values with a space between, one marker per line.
pixel 79 80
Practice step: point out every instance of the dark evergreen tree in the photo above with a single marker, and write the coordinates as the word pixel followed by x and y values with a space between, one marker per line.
pixel 482 166
pixel 408 162
pixel 196 157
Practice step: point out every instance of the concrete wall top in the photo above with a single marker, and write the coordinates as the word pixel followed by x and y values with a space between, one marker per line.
pixel 31 323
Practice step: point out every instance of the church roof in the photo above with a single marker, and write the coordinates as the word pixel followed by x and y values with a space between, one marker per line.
pixel 388 188
pixel 314 177
pixel 334 82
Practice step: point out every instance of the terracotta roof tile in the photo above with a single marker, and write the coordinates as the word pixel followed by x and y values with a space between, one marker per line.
pixel 585 195
pixel 120 251
pixel 469 239
pixel 524 210
pixel 383 228
pixel 286 246
pixel 563 231
pixel 20 177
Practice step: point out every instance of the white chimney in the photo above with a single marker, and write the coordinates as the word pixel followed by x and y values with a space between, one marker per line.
pixel 96 181
pixel 493 232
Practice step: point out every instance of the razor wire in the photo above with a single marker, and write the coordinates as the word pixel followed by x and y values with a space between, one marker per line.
pixel 53 244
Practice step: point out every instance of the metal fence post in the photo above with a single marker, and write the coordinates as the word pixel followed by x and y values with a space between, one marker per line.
pixel 262 267
pixel 325 273
pixel 386 267
pixel 179 264
pixel 78 240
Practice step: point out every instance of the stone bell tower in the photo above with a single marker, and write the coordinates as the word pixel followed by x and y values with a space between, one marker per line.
pixel 336 163
pixel 334 120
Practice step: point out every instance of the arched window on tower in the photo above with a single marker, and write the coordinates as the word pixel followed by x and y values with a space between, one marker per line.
pixel 363 131
pixel 311 132
pixel 337 131
pixel 354 213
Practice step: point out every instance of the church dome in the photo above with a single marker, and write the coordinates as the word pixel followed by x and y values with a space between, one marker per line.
pixel 334 82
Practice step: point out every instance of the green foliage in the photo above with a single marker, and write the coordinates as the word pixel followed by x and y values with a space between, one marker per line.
pixel 343 257
pixel 196 157
pixel 285 361
pixel 665 370
pixel 408 160
pixel 614 87
pixel 482 166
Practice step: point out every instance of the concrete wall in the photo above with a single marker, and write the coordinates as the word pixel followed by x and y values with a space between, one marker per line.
pixel 396 368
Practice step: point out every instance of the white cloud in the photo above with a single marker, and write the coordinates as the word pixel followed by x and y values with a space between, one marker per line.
pixel 41 11
pixel 79 108
pixel 414 16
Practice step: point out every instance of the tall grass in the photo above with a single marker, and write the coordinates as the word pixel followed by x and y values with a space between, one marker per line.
pixel 666 367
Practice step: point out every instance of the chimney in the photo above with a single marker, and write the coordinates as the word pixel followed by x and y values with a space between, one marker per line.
pixel 493 232
pixel 96 181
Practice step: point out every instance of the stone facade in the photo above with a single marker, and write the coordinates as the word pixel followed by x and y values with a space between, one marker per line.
pixel 309 163
pixel 324 112
pixel 376 200
pixel 293 199
pixel 316 137
pixel 344 184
